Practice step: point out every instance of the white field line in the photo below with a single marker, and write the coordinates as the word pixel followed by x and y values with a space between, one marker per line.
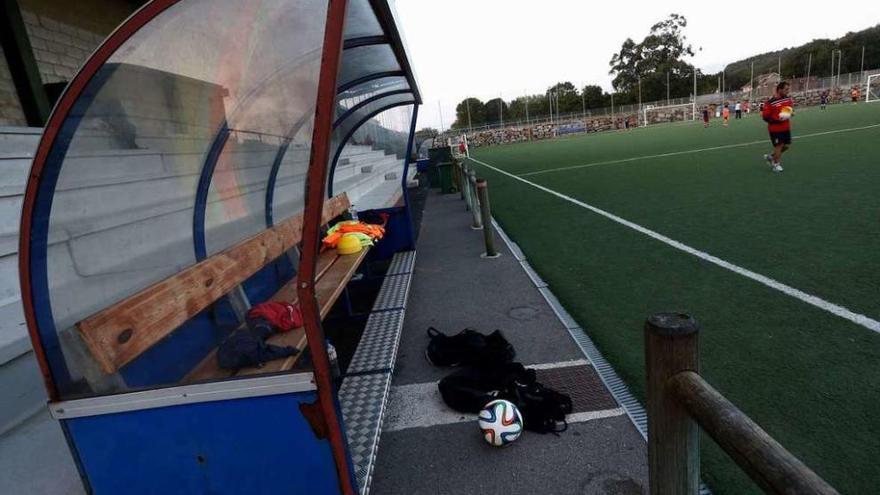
pixel 419 405
pixel 688 152
pixel 818 302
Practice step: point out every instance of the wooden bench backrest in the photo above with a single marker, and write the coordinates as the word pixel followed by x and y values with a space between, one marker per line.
pixel 120 333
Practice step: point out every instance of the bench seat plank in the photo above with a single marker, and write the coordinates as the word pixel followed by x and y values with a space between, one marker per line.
pixel 209 369
pixel 327 291
pixel 122 332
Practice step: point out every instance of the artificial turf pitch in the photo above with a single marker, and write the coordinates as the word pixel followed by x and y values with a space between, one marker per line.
pixel 809 377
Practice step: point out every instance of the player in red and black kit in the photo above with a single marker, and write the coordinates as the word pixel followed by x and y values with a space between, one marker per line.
pixel 777 113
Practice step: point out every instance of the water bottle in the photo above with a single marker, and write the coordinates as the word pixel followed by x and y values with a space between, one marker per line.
pixel 335 372
pixel 353 212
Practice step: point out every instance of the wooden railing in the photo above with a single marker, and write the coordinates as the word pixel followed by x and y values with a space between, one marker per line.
pixel 680 402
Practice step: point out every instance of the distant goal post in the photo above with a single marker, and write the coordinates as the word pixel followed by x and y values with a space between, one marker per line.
pixel 872 88
pixel 657 114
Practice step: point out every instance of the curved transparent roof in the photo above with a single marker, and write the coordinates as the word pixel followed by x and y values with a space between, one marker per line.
pixel 365 60
pixel 189 135
pixel 360 21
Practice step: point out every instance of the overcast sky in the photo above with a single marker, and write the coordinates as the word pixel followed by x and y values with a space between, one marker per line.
pixel 484 48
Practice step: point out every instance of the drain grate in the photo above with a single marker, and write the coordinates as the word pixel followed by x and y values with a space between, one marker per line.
pixel 582 384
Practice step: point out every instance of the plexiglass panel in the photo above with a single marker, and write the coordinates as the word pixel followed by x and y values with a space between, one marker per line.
pixel 131 154
pixel 370 167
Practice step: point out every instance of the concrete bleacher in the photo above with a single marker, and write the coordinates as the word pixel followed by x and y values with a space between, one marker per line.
pixel 99 244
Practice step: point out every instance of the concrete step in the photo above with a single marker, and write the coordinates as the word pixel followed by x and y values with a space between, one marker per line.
pixel 35 459
pixel 19 140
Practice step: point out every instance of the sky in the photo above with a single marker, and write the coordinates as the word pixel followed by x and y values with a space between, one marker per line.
pixel 487 48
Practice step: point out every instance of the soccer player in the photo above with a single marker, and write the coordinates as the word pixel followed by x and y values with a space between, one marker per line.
pixel 854 94
pixel 823 99
pixel 705 116
pixel 726 113
pixel 777 113
pixel 739 110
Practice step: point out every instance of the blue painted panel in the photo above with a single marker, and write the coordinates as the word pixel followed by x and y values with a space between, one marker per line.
pixel 255 445
pixel 169 360
pixel 398 235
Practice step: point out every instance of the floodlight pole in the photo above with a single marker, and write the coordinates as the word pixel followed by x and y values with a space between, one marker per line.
pixel 640 101
pixel 695 94
pixel 440 109
pixel 467 105
pixel 751 84
pixel 862 70
pixel 612 111
pixel 839 60
pixel 527 109
pixel 550 101
pixel 501 108
pixel 667 88
pixel 809 66
pixel 832 68
pixel 584 106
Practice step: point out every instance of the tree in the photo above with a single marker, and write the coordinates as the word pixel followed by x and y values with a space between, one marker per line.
pixel 593 96
pixel 658 54
pixel 565 97
pixel 496 109
pixel 477 113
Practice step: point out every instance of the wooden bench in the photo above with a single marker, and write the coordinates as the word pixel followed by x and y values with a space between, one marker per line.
pixel 117 335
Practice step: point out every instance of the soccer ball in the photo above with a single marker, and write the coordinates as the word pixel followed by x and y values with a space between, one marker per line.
pixel 785 113
pixel 500 422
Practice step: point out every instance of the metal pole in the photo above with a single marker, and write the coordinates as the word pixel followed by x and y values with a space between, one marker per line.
pixel 640 101
pixel 751 84
pixel 612 111
pixel 475 207
pixel 527 109
pixel 501 108
pixel 809 66
pixel 440 109
pixel 486 217
pixel 550 101
pixel 862 70
pixel 467 104
pixel 667 88
pixel 839 63
pixel 584 107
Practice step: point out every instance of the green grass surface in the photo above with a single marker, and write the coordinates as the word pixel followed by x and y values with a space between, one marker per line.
pixel 810 378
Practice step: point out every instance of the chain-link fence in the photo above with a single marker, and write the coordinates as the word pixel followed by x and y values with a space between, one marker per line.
pixel 621 116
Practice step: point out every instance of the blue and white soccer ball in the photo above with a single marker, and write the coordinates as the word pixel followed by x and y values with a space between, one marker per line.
pixel 500 422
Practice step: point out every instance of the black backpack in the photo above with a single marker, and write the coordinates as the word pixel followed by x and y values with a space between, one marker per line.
pixel 468 347
pixel 468 390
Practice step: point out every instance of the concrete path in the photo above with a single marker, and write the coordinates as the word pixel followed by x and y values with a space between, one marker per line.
pixel 428 448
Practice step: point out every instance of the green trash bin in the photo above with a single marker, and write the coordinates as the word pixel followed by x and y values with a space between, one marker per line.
pixel 444 173
pixel 435 157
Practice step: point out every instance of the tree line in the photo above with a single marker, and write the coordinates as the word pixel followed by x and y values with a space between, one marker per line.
pixel 656 67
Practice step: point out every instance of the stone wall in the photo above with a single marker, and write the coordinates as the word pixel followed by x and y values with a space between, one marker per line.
pixel 10 108
pixel 62 35
pixel 59 48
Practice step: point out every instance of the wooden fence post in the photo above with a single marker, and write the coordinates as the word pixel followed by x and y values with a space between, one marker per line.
pixel 671 346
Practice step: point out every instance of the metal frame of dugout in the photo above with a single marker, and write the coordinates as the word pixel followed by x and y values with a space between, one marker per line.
pixel 198 130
